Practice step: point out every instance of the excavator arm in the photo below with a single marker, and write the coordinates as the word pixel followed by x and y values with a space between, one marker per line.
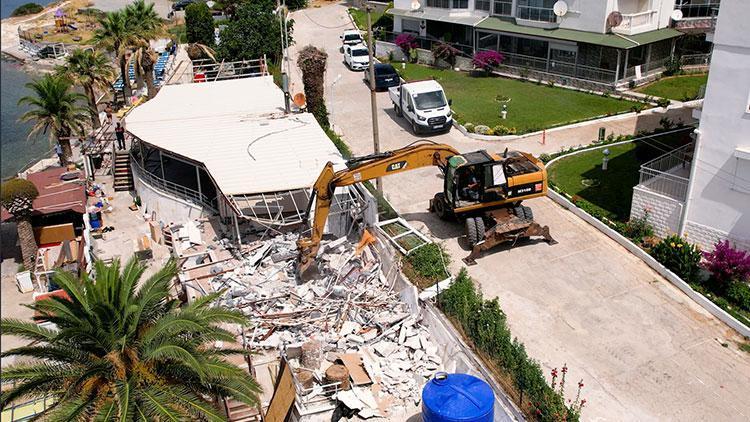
pixel 414 156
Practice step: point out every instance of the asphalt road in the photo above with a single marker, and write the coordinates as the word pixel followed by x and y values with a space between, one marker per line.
pixel 643 349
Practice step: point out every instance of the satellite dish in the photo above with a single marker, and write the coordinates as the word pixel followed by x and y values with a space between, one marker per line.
pixel 299 99
pixel 676 15
pixel 416 5
pixel 560 8
pixel 614 19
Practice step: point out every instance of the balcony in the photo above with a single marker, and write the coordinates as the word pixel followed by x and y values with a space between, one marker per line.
pixel 668 174
pixel 635 23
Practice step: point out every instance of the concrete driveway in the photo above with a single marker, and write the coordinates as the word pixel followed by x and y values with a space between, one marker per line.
pixel 644 350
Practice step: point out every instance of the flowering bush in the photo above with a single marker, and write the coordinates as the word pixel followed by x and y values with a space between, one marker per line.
pixel 446 52
pixel 726 263
pixel 406 42
pixel 487 59
pixel 681 257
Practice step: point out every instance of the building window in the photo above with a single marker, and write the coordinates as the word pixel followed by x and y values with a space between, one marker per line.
pixel 482 5
pixel 503 7
pixel 460 4
pixel 443 4
pixel 536 10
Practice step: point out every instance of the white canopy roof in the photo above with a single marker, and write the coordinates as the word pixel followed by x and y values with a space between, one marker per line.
pixel 237 129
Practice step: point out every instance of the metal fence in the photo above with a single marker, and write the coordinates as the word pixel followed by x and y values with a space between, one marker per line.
pixel 180 191
pixel 695 59
pixel 702 10
pixel 205 70
pixel 659 175
pixel 425 43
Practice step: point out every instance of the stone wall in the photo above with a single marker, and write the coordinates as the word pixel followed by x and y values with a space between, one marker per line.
pixel 663 212
pixel 706 237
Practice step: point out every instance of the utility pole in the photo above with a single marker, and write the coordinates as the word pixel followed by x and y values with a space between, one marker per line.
pixel 373 97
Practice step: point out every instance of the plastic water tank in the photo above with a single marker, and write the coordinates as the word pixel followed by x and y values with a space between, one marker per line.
pixel 457 398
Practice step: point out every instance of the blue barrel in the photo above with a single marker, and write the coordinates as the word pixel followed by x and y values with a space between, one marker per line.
pixel 457 398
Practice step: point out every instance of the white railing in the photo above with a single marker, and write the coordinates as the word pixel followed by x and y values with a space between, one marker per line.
pixel 631 21
pixel 658 175
pixel 180 191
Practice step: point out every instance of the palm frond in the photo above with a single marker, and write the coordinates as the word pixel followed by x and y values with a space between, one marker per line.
pixel 27 330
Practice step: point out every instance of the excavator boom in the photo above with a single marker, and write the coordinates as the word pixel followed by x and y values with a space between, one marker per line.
pixel 417 155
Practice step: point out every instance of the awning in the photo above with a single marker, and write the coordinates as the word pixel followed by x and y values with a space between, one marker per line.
pixel 441 15
pixel 606 40
pixel 56 194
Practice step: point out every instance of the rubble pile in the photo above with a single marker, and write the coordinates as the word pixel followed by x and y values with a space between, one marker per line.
pixel 347 320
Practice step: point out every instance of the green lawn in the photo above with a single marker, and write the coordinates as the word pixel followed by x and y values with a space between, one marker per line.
pixel 532 107
pixel 680 88
pixel 610 191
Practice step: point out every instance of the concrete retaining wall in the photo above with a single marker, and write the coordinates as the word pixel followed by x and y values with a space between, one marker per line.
pixel 663 212
pixel 706 237
pixel 654 264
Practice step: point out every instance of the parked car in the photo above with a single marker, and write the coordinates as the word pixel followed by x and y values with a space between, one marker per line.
pixel 351 37
pixel 422 103
pixel 357 57
pixel 385 76
pixel 182 4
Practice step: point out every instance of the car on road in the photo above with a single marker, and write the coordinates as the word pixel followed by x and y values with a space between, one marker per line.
pixel 182 4
pixel 357 57
pixel 351 37
pixel 423 104
pixel 385 76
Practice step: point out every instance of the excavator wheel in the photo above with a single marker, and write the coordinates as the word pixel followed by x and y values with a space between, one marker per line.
pixel 440 207
pixel 479 223
pixel 519 211
pixel 471 232
pixel 528 213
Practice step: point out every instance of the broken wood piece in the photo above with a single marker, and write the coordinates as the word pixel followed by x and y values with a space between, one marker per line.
pixel 353 363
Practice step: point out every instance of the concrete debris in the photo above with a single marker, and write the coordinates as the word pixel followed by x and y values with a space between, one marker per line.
pixel 348 309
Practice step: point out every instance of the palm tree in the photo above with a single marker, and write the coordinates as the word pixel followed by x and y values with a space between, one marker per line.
pixel 17 196
pixel 55 110
pixel 89 69
pixel 147 25
pixel 117 35
pixel 123 352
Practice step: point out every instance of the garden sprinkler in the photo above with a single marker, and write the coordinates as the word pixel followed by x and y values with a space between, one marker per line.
pixel 605 159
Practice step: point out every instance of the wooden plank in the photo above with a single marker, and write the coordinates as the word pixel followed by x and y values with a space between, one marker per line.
pixel 353 362
pixel 54 234
pixel 283 395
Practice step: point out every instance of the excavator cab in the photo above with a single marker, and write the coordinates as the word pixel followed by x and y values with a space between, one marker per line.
pixel 474 178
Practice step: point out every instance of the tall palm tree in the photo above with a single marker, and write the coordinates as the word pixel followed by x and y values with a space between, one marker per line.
pixel 17 196
pixel 125 350
pixel 89 69
pixel 55 110
pixel 147 25
pixel 117 35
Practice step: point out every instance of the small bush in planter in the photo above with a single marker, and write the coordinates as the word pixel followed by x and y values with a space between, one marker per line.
pixel 739 293
pixel 445 52
pixel 672 67
pixel 663 102
pixel 638 228
pixel 726 263
pixel 486 60
pixel 679 256
pixel 482 129
pixel 502 130
pixel 469 127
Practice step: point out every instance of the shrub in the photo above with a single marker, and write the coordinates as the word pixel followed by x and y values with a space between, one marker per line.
pixel 524 73
pixel 739 293
pixel 482 129
pixel 485 324
pixel 672 66
pixel 726 263
pixel 637 108
pixel 406 42
pixel 545 158
pixel 199 24
pixel 663 102
pixel 638 228
pixel 469 127
pixel 502 130
pixel 487 59
pixel 27 9
pixel 426 265
pixel 679 256
pixel 445 52
pixel 339 143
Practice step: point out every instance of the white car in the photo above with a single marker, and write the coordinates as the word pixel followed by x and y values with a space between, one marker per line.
pixel 351 37
pixel 356 57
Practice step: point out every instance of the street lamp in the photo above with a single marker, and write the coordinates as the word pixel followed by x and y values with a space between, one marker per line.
pixel 605 159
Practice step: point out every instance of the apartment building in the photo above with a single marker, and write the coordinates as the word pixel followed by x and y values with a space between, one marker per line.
pixel 703 191
pixel 606 41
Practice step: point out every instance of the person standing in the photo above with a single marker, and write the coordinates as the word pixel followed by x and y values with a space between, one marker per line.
pixel 59 152
pixel 120 135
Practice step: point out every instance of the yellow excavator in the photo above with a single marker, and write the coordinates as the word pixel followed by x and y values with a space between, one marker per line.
pixel 481 189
